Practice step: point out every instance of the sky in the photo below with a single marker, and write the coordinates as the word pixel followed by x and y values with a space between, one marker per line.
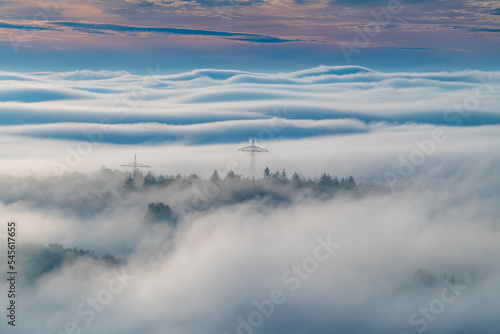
pixel 265 36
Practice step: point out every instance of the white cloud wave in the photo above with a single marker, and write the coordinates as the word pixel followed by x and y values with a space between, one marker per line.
pixel 319 94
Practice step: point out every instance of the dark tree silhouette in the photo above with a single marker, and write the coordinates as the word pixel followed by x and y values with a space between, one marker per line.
pixel 284 176
pixel 215 177
pixel 336 182
pixel 277 175
pixel 351 184
pixel 37 260
pixel 296 180
pixel 267 173
pixel 232 175
pixel 149 180
pixel 158 212
pixel 326 180
pixel 164 181
pixel 129 182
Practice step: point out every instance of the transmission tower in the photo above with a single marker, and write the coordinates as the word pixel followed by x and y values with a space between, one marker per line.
pixel 135 165
pixel 253 150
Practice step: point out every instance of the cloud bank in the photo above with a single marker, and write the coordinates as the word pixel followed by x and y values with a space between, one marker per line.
pixel 83 119
pixel 413 249
pixel 220 106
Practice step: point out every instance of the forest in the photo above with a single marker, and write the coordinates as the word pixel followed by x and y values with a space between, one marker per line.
pixel 224 236
pixel 157 199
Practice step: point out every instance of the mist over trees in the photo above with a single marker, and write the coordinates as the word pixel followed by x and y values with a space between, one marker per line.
pixel 158 212
pixel 82 195
pixel 36 260
pixel 273 188
pixel 154 200
pixel 226 240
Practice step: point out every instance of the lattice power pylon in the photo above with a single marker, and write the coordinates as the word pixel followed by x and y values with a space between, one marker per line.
pixel 253 150
pixel 135 165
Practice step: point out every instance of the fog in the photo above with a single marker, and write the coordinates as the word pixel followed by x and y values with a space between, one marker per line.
pixel 231 245
pixel 410 244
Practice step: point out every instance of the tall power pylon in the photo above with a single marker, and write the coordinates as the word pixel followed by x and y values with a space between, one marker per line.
pixel 253 149
pixel 135 165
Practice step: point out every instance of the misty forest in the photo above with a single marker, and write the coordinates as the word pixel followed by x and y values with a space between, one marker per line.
pixel 231 237
pixel 89 196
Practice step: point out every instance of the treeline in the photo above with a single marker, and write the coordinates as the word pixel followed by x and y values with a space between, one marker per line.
pixel 37 260
pixel 271 189
pixel 424 277
pixel 86 195
pixel 326 182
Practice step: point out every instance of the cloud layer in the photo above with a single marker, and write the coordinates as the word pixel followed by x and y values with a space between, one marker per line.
pixel 78 118
pixel 423 225
pixel 217 106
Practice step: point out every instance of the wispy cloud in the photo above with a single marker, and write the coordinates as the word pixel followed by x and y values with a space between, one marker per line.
pixel 96 28
pixel 478 29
